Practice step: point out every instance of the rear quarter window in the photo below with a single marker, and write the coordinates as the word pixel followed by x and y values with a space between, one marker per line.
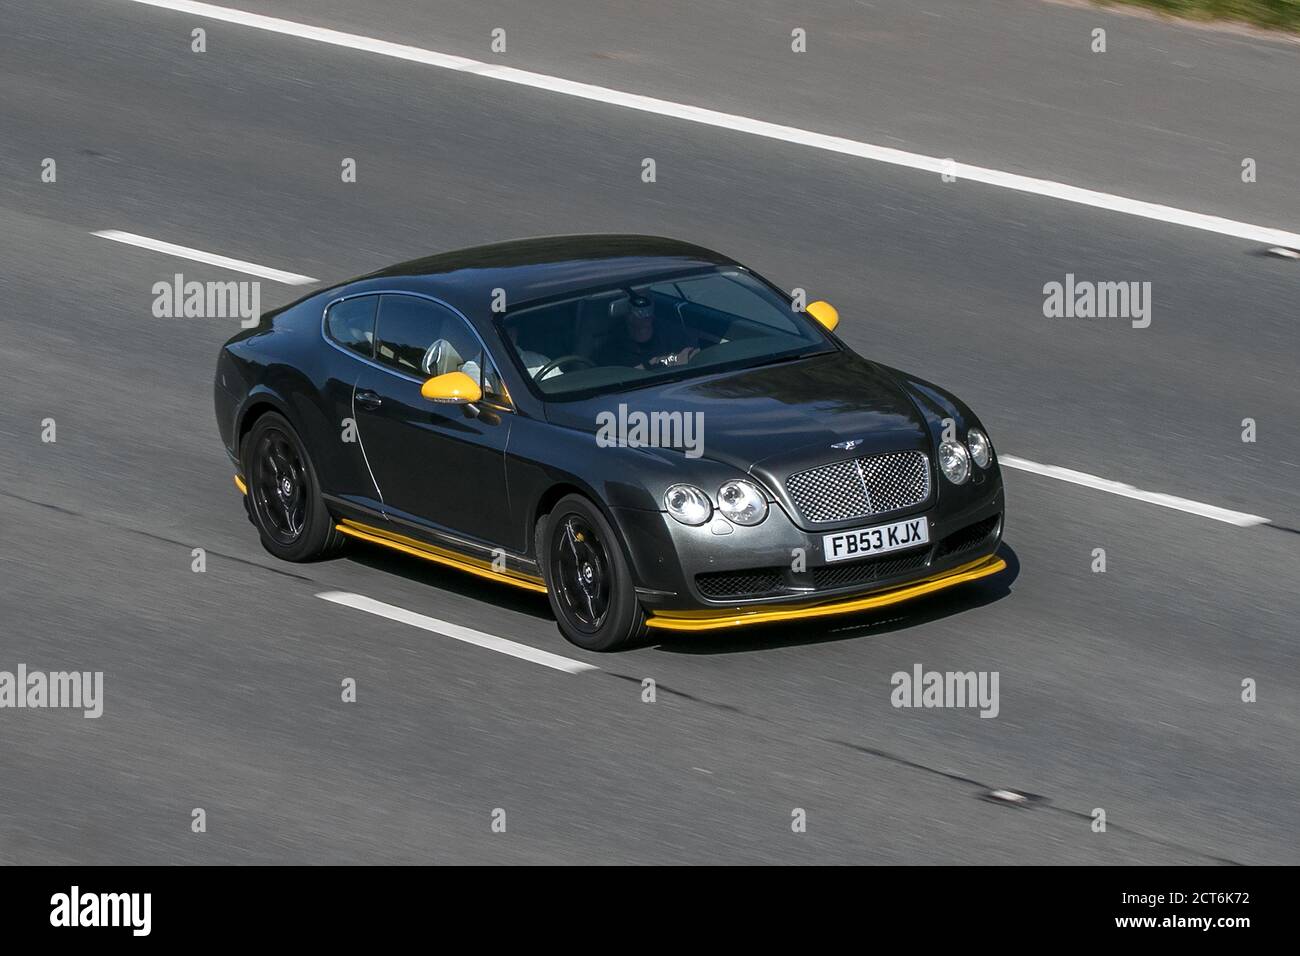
pixel 351 323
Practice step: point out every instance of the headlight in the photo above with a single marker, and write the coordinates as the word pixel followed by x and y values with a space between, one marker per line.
pixel 742 502
pixel 980 450
pixel 688 504
pixel 954 460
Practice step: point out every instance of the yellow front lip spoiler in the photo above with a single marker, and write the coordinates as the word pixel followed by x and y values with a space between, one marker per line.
pixel 712 620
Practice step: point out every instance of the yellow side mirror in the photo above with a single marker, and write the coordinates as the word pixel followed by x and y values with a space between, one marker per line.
pixel 825 313
pixel 453 388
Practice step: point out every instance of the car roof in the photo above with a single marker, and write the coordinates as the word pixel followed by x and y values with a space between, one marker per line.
pixel 543 268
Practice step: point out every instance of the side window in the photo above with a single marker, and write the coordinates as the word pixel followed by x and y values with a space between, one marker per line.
pixel 351 323
pixel 408 327
pixel 423 339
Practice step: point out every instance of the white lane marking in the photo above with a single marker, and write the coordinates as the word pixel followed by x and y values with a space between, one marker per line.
pixel 743 124
pixel 456 632
pixel 198 255
pixel 1238 518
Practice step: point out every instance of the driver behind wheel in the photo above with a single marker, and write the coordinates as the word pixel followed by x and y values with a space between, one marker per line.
pixel 533 361
pixel 641 344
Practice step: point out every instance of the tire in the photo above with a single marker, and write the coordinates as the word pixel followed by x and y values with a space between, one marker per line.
pixel 588 578
pixel 284 499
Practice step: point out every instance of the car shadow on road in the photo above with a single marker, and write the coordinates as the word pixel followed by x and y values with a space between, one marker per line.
pixel 923 610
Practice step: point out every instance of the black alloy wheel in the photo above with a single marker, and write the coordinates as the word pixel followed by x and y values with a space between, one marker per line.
pixel 279 487
pixel 588 580
pixel 581 573
pixel 284 497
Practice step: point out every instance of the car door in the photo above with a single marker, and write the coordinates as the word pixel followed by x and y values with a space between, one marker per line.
pixel 350 328
pixel 440 467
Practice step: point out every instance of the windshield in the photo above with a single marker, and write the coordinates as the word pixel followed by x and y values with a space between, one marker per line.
pixel 681 327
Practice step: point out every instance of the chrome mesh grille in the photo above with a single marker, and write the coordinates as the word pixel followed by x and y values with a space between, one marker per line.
pixel 861 487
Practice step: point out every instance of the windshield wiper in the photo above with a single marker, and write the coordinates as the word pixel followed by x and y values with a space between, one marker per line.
pixel 781 359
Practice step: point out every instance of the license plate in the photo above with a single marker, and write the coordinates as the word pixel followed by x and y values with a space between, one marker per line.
pixel 864 542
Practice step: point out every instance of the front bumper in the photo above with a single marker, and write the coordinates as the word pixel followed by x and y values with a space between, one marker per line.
pixel 717 618
pixel 688 573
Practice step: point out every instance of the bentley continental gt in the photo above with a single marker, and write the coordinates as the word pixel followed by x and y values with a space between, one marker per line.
pixel 650 433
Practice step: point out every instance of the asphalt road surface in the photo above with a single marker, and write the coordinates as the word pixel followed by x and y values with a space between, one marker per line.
pixel 222 690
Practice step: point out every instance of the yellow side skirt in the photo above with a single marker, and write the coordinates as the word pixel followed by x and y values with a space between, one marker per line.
pixel 452 559
pixel 710 620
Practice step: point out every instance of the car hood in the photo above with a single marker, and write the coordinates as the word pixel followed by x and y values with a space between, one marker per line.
pixel 773 417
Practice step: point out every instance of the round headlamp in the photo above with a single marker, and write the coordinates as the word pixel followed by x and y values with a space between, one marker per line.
pixel 688 504
pixel 981 451
pixel 741 502
pixel 954 461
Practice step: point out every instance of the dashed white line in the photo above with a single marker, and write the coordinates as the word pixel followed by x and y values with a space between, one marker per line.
pixel 456 632
pixel 648 104
pixel 1239 518
pixel 198 255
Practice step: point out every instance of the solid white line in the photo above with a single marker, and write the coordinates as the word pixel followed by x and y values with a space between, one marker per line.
pixel 198 255
pixel 456 632
pixel 694 114
pixel 1238 518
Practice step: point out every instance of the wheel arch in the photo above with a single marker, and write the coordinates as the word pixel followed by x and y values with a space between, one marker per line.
pixel 559 490
pixel 258 403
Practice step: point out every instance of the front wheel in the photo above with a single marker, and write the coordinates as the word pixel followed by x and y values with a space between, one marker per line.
pixel 284 498
pixel 588 580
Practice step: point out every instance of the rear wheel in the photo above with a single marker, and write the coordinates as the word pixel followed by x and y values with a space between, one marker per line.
pixel 588 579
pixel 284 497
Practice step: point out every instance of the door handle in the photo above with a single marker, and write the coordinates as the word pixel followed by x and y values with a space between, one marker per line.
pixel 368 399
